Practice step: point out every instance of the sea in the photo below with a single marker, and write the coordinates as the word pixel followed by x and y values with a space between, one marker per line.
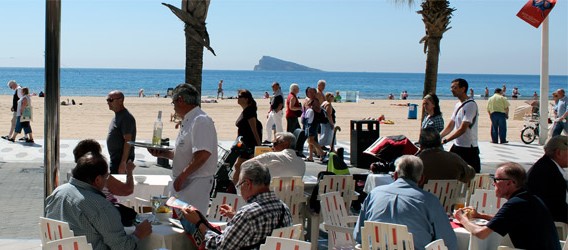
pixel 366 85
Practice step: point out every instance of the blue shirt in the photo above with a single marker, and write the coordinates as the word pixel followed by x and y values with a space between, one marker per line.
pixel 403 202
pixel 562 106
pixel 89 213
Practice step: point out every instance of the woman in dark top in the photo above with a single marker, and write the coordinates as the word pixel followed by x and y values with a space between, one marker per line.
pixel 249 128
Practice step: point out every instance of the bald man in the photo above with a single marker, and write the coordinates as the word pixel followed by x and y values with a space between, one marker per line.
pixel 121 130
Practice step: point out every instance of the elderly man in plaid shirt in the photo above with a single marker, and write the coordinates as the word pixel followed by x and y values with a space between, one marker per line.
pixel 252 223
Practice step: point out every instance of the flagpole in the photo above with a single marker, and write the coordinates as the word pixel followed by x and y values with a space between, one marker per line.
pixel 544 84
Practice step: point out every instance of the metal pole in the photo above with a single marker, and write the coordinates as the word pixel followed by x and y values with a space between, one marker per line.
pixel 544 85
pixel 52 62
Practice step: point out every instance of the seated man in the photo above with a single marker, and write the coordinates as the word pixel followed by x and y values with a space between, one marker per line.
pixel 283 161
pixel 403 202
pixel 548 178
pixel 252 223
pixel 440 164
pixel 524 217
pixel 82 204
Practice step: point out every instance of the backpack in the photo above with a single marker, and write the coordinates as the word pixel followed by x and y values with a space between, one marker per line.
pixel 336 165
pixel 321 117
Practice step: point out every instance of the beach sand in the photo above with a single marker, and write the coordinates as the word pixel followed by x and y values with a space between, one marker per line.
pixel 90 118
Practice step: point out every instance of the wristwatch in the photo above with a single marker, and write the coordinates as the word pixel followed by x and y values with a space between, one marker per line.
pixel 444 141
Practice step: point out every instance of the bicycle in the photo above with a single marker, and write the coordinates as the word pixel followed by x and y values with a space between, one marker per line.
pixel 531 129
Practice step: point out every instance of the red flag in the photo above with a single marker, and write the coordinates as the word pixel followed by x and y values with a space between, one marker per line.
pixel 535 11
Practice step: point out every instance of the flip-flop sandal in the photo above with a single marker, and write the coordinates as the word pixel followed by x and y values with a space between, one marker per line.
pixel 309 160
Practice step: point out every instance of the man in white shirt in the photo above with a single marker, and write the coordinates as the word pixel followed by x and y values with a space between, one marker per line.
pixel 463 126
pixel 17 95
pixel 195 153
pixel 283 161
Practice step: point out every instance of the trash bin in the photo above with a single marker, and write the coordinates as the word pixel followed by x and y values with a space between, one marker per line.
pixel 363 134
pixel 164 162
pixel 412 111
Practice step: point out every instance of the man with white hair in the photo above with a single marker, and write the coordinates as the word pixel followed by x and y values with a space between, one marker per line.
pixel 548 178
pixel 17 95
pixel 403 202
pixel 283 161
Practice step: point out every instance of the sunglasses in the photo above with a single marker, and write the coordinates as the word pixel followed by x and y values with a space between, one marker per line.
pixel 112 99
pixel 495 180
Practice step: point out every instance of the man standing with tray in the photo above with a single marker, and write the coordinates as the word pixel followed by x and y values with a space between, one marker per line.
pixel 195 153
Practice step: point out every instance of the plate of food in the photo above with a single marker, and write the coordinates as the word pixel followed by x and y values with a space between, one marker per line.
pixel 477 221
pixel 150 145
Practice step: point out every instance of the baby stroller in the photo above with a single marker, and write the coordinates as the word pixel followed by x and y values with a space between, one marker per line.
pixel 386 149
pixel 530 129
pixel 225 161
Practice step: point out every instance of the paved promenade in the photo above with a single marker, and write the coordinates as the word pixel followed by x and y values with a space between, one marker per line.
pixel 22 180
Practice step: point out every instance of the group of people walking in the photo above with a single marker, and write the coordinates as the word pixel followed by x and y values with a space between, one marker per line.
pixel 22 113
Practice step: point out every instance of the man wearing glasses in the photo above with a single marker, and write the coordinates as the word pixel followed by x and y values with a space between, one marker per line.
pixel 252 223
pixel 82 204
pixel 195 154
pixel 524 217
pixel 121 130
pixel 283 161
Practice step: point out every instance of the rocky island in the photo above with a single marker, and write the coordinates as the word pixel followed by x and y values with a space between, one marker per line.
pixel 268 63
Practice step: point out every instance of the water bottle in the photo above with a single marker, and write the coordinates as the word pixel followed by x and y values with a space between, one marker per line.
pixel 158 125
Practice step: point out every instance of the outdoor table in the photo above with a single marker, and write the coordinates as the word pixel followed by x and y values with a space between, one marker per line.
pixel 153 185
pixel 466 241
pixel 375 180
pixel 164 235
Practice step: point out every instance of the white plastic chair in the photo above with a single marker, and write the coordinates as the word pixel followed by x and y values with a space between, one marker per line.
pixel 445 190
pixel 564 244
pixel 562 229
pixel 480 181
pixel 276 243
pixel 72 243
pixel 292 232
pixel 233 200
pixel 51 230
pixel 379 235
pixel 485 201
pixel 337 221
pixel 291 191
pixel 436 245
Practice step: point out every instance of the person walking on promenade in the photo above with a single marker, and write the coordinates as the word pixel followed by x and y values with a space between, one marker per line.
pixel 220 89
pixel 498 110
pixel 523 217
pixel 434 119
pixel 17 95
pixel 320 91
pixel 249 128
pixel 122 129
pixel 326 137
pixel 195 153
pixel 293 108
pixel 310 124
pixel 23 103
pixel 561 113
pixel 274 117
pixel 463 126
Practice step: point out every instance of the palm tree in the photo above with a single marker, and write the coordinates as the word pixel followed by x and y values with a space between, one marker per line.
pixel 436 15
pixel 193 13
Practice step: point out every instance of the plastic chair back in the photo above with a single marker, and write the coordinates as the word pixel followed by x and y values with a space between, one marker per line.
pixel 436 245
pixel 485 201
pixel 445 190
pixel 378 235
pixel 480 181
pixel 292 232
pixel 335 214
pixel 562 229
pixel 51 230
pixel 72 243
pixel 233 200
pixel 343 184
pixel 291 191
pixel 276 243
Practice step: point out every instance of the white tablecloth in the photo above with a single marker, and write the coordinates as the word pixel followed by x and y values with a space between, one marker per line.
pixel 164 236
pixel 154 185
pixel 467 241
pixel 375 180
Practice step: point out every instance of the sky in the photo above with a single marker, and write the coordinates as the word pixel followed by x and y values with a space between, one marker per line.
pixel 486 36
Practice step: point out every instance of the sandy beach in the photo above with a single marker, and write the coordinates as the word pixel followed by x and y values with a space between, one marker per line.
pixel 90 117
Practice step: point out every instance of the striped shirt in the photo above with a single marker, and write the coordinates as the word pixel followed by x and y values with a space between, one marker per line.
pixel 252 223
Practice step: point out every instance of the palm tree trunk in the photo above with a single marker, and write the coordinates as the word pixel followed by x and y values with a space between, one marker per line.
pixel 193 61
pixel 432 58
